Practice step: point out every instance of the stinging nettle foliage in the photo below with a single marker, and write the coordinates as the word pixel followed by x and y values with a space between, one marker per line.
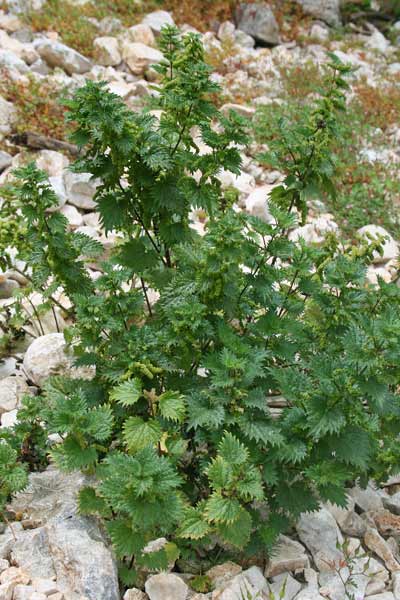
pixel 190 334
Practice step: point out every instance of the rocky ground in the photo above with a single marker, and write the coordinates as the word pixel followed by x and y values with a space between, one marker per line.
pixel 49 550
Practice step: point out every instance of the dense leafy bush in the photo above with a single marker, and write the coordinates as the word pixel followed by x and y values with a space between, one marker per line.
pixel 190 334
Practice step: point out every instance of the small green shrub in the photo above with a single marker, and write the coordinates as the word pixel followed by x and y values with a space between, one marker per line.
pixel 175 424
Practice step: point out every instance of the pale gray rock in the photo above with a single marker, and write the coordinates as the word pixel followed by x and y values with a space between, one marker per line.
pixel 285 587
pixel 7 366
pixel 383 596
pixel 325 10
pixel 166 586
pixel 5 160
pixel 135 594
pixel 258 21
pixel 7 117
pixel 68 547
pixel 57 185
pixel 80 189
pixel 40 67
pixel 57 54
pixel 7 287
pixel 107 51
pixel 377 544
pixel 392 503
pixel 73 216
pixel 396 585
pixel 319 532
pixel 310 591
pixel 7 539
pixel 11 391
pixel 288 555
pixel 139 57
pixel 378 42
pixel 9 419
pixel 52 162
pixel 243 39
pixel 49 355
pixel 139 33
pixel 158 19
pixel 221 574
pixel 348 520
pixel 250 584
pixel 368 499
pixel 11 62
pixel 257 203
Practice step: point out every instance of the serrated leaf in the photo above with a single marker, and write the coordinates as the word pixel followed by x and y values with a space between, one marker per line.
pixel 237 533
pixel 172 406
pixel 194 525
pixel 220 509
pixel 138 433
pixel 127 393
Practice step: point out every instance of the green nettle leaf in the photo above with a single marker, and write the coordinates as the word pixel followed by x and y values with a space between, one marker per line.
pixel 222 510
pixel 172 406
pixel 220 473
pixel 232 450
pixel 127 393
pixel 241 377
pixel 194 525
pixel 238 532
pixel 139 433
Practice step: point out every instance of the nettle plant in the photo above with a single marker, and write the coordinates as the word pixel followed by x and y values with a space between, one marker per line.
pixel 190 334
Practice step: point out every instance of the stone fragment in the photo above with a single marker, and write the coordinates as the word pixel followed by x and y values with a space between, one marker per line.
pixel 12 63
pixel 140 33
pixel 11 391
pixel 257 203
pixel 44 586
pixel 57 54
pixel 316 230
pixel 8 419
pixel 250 584
pixel 80 189
pixel 6 590
pixel 288 555
pixel 166 586
pixel 107 51
pixel 7 117
pixel 386 523
pixel 348 520
pixel 73 216
pixel 23 592
pixel 68 547
pixel 7 287
pixel 326 10
pixel 139 57
pixel 49 355
pixel 135 594
pixel 158 19
pixel 375 542
pixel 5 160
pixel 285 587
pixel 378 42
pixel 258 21
pixel 15 574
pixel 220 574
pixel 319 532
